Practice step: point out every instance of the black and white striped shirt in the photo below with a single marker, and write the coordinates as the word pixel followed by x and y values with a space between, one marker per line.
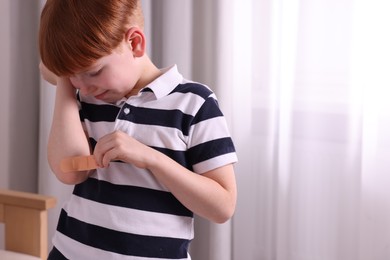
pixel 123 212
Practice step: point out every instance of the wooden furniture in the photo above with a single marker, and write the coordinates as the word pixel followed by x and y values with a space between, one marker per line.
pixel 25 222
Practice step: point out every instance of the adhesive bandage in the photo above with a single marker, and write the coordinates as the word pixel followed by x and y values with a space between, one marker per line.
pixel 78 163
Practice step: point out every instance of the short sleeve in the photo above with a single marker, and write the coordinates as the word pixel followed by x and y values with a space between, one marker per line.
pixel 210 144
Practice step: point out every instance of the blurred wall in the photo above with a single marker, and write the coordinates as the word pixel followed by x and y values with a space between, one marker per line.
pixel 19 97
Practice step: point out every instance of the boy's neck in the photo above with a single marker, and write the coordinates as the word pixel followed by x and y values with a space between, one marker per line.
pixel 149 73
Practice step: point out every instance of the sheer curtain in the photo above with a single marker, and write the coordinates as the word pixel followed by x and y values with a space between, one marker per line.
pixel 304 86
pixel 314 152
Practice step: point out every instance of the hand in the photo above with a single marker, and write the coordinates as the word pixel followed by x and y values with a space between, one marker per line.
pixel 211 195
pixel 120 146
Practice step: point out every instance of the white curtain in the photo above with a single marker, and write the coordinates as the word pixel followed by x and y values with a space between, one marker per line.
pixel 312 86
pixel 304 86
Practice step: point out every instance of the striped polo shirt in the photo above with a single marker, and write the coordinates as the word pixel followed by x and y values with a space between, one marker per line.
pixel 123 212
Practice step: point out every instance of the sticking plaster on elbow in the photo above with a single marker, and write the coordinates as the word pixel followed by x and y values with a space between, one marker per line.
pixel 78 163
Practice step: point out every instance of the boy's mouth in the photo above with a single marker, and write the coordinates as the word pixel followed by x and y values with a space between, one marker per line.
pixel 101 95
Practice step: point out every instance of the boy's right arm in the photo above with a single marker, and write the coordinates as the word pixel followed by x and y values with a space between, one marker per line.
pixel 67 137
pixel 47 74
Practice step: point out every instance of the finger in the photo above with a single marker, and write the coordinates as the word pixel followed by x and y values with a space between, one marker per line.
pixel 104 145
pixel 107 158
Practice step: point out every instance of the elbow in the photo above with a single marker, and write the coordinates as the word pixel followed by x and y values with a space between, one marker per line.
pixel 226 211
pixel 69 178
pixel 225 214
pixel 223 218
pixel 47 74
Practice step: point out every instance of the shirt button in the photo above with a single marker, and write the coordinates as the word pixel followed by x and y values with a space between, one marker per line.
pixel 126 110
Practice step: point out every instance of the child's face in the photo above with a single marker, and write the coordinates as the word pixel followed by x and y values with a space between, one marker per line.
pixel 110 78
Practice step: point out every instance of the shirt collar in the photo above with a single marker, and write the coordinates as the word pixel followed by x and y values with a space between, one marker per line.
pixel 164 84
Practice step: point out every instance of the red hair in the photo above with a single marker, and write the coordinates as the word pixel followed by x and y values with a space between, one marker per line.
pixel 74 34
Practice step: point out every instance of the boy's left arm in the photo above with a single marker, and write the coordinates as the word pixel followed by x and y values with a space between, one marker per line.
pixel 211 195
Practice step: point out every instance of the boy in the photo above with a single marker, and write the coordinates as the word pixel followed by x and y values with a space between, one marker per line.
pixel 160 141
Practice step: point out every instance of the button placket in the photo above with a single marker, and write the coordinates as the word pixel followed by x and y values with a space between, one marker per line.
pixel 121 124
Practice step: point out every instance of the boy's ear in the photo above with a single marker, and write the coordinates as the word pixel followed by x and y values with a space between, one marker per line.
pixel 136 40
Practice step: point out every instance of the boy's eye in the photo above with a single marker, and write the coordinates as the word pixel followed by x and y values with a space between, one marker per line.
pixel 95 73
